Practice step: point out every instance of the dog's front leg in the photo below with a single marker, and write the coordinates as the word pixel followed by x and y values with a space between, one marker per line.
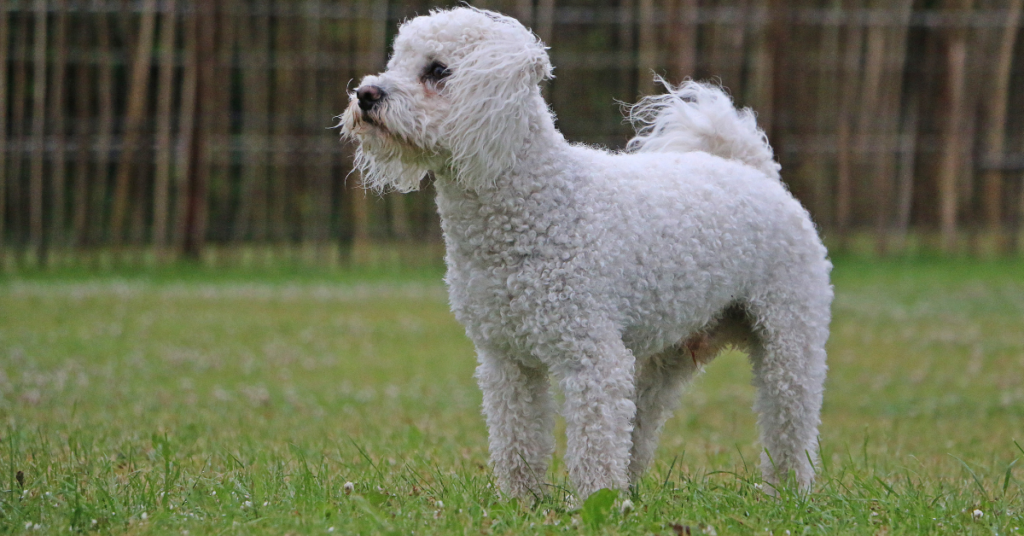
pixel 598 411
pixel 520 416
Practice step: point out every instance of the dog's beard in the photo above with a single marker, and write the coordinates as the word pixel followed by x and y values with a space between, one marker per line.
pixel 386 160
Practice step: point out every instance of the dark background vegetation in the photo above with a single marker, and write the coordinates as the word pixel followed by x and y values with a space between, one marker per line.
pixel 145 130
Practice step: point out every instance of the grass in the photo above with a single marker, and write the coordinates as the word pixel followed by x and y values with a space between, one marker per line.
pixel 239 402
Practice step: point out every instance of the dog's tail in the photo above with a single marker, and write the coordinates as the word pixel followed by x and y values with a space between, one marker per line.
pixel 695 116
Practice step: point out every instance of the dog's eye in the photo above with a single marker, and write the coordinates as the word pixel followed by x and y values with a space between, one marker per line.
pixel 436 71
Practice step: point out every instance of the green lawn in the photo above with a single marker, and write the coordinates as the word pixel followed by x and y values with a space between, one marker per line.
pixel 244 403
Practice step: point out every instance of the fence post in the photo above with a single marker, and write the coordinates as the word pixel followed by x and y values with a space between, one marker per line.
pixel 164 103
pixel 57 110
pixel 4 40
pixel 197 211
pixel 138 90
pixel 35 203
pixel 994 140
pixel 953 147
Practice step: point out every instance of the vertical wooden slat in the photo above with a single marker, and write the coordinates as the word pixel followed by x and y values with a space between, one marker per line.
pixel 259 98
pixel 186 132
pixel 828 87
pixel 886 121
pixel 165 103
pixel 196 219
pixel 995 106
pixel 38 130
pixel 317 212
pixel 905 180
pixel 250 218
pixel 543 26
pixel 727 44
pixel 346 76
pixel 851 90
pixel 138 91
pixel 18 107
pixel 761 83
pixel 221 183
pixel 370 35
pixel 284 91
pixel 83 138
pixel 545 20
pixel 647 53
pixel 104 134
pixel 951 163
pixel 58 109
pixel 4 40
pixel 626 44
pixel 682 40
pixel 867 137
pixel 249 65
pixel 523 12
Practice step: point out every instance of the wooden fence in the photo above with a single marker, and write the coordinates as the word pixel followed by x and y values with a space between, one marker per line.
pixel 174 126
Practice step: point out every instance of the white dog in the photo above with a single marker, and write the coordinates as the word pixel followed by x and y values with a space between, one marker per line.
pixel 618 274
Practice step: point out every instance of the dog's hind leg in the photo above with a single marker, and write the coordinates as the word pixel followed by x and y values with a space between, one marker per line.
pixel 788 358
pixel 661 379
pixel 520 417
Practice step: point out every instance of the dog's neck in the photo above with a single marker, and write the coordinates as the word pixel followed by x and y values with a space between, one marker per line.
pixel 543 146
pixel 475 219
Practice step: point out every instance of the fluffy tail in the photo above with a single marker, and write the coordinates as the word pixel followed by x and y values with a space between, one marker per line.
pixel 695 116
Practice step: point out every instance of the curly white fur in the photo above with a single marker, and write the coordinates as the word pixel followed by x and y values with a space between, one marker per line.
pixel 618 274
pixel 700 117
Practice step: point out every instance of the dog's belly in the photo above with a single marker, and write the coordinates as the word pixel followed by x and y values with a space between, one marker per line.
pixel 652 334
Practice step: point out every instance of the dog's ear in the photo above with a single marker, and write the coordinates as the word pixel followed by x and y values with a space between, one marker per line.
pixel 494 96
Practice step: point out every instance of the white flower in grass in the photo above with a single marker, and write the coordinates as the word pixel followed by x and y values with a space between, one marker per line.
pixel 439 504
pixel 626 507
pixel 349 487
pixel 330 529
pixel 978 514
pixel 144 516
pixel 247 504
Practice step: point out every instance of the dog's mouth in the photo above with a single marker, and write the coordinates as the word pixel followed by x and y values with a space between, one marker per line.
pixel 369 119
pixel 356 122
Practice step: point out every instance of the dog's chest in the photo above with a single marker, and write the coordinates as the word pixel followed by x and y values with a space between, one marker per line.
pixel 505 260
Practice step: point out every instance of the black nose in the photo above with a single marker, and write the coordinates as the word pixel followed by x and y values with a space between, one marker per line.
pixel 369 96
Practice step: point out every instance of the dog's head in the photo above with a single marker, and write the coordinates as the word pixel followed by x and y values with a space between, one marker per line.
pixel 458 96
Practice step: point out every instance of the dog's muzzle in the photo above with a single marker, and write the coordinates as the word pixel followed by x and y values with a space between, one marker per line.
pixel 369 97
